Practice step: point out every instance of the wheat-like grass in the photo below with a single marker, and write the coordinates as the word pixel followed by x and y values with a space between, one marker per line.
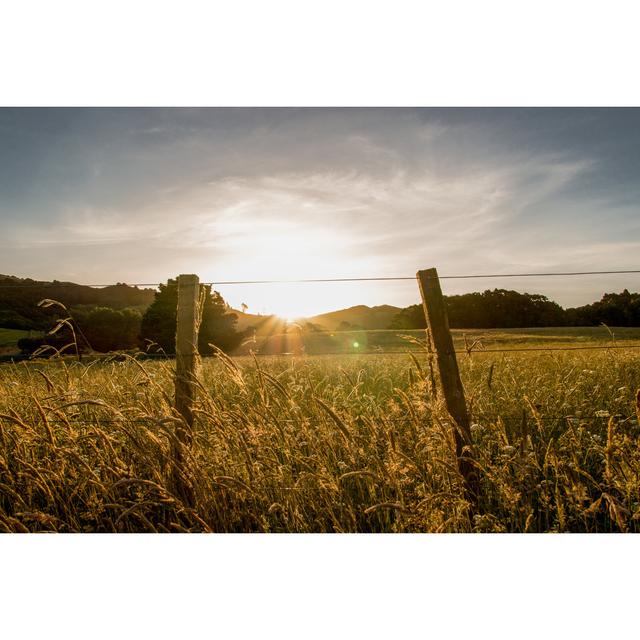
pixel 321 444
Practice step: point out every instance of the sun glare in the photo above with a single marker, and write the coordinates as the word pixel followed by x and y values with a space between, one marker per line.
pixel 288 254
pixel 293 301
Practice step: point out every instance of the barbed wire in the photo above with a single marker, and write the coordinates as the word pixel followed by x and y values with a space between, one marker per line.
pixel 458 333
pixel 318 280
pixel 581 348
pixel 40 285
pixel 111 358
pixel 445 277
pixel 421 351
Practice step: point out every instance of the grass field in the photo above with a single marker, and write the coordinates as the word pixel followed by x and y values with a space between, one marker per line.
pixel 355 341
pixel 326 443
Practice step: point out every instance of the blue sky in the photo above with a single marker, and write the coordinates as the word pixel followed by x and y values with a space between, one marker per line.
pixel 139 195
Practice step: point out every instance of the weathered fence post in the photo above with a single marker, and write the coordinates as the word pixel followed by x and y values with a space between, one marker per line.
pixel 436 315
pixel 187 327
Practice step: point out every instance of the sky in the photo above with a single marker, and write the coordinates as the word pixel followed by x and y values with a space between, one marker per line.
pixel 140 195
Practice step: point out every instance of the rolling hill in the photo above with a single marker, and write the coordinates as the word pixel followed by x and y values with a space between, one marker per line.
pixel 19 299
pixel 361 316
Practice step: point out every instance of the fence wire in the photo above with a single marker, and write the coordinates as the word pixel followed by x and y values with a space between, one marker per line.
pixel 348 279
pixel 106 358
pixel 422 352
pixel 41 285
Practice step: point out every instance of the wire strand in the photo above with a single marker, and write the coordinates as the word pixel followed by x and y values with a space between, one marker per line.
pixel 446 277
pixel 316 280
pixel 457 351
pixel 404 352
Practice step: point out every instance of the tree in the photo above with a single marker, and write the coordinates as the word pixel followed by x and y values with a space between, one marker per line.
pixel 614 309
pixel 502 308
pixel 218 326
pixel 108 329
pixel 410 318
pixel 489 310
pixel 19 300
pixel 99 329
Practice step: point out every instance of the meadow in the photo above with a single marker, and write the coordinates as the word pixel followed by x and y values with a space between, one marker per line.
pixel 337 443
pixel 9 338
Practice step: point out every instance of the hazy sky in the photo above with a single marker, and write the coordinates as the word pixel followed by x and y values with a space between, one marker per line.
pixel 139 195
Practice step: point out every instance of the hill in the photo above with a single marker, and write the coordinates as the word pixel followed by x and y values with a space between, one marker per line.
pixel 19 299
pixel 258 322
pixel 360 316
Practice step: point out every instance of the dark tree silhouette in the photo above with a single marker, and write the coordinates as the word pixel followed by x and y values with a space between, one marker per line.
pixel 218 326
pixel 109 329
pixel 499 308
pixel 614 309
pixel 19 300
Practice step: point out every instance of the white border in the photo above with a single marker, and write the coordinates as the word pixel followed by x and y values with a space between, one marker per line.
pixel 289 53
pixel 319 53
pixel 319 586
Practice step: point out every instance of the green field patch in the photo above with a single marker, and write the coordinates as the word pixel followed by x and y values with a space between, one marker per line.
pixel 10 337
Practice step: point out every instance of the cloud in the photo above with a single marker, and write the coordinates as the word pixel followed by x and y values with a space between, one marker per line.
pixel 264 193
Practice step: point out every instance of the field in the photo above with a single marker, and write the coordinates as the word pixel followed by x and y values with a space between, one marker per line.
pixel 385 340
pixel 345 443
pixel 9 338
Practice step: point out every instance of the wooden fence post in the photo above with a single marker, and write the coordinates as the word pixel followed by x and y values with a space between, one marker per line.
pixel 436 315
pixel 187 346
pixel 187 327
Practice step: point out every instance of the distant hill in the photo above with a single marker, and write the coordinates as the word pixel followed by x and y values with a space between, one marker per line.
pixel 361 316
pixel 259 322
pixel 268 325
pixel 19 299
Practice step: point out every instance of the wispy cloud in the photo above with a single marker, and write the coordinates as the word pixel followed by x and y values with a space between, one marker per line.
pixel 337 192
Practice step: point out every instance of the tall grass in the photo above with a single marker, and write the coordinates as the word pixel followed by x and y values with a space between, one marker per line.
pixel 321 444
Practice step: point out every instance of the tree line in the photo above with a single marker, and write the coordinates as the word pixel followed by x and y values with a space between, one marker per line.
pixel 502 308
pixel 19 299
pixel 105 329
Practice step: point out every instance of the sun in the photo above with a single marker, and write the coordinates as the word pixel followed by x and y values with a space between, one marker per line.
pixel 291 302
pixel 291 253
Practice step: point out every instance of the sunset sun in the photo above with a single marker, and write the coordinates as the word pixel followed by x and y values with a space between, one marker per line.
pixel 285 255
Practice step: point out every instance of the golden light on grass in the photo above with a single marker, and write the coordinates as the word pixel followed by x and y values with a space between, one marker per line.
pixel 283 444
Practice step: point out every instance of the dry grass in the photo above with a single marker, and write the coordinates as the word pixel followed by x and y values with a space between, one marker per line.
pixel 321 444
